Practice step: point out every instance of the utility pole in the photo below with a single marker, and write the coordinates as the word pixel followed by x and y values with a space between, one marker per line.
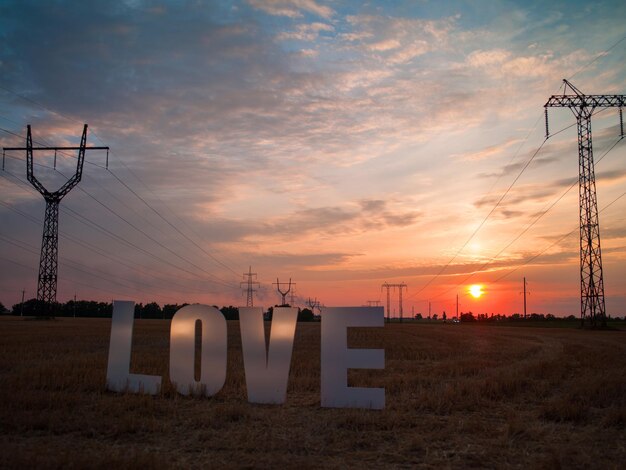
pixel 429 309
pixel 400 287
pixel 22 304
pixel 524 298
pixel 48 262
pixel 250 284
pixel 283 294
pixel 387 286
pixel 592 305
pixel 74 305
pixel 457 306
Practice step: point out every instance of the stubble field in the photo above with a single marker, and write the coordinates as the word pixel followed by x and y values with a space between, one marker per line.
pixel 457 396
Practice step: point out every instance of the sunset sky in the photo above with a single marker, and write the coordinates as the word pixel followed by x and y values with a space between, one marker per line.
pixel 341 144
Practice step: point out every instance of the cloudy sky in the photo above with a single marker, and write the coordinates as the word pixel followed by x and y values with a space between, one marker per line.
pixel 341 144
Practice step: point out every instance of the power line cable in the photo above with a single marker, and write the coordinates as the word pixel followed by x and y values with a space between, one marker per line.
pixel 76 265
pixel 98 227
pixel 528 162
pixel 217 279
pixel 135 267
pixel 528 227
pixel 600 55
pixel 172 225
pixel 556 242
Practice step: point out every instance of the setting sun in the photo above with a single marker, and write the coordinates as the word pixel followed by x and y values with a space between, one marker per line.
pixel 476 290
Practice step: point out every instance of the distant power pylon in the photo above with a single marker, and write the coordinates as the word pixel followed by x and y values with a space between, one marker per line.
pixel 388 286
pixel 592 305
pixel 283 294
pixel 525 292
pixel 314 304
pixel 373 303
pixel 250 286
pixel 292 297
pixel 48 262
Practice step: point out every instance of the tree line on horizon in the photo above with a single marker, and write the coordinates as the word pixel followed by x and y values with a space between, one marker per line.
pixel 152 310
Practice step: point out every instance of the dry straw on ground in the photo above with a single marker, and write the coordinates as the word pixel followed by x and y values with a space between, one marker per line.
pixel 457 396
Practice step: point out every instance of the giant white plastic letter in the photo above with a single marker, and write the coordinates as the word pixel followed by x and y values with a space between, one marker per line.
pixel 119 378
pixel 337 358
pixel 267 370
pixel 213 354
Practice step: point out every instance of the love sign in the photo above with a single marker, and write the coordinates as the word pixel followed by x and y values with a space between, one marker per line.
pixel 266 369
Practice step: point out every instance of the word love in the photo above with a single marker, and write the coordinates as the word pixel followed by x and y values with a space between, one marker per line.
pixel 266 369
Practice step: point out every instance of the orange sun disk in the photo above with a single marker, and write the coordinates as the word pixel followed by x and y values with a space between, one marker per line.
pixel 476 290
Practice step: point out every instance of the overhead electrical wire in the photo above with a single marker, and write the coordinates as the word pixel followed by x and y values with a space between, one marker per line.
pixel 122 240
pixel 111 257
pixel 556 242
pixel 541 214
pixel 599 56
pixel 75 265
pixel 497 204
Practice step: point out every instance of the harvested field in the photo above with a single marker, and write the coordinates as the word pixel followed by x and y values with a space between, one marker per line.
pixel 457 396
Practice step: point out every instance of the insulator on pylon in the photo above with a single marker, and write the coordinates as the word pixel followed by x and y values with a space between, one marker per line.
pixel 547 129
pixel 621 123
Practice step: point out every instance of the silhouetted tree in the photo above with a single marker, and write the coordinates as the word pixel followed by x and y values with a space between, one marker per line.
pixel 170 309
pixel 306 314
pixel 151 310
pixel 138 310
pixel 418 316
pixel 3 310
pixel 34 307
pixel 230 312
pixel 467 317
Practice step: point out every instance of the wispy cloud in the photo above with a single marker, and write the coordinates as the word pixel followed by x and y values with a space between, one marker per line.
pixel 292 8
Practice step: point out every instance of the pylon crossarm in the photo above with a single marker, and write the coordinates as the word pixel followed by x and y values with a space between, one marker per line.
pixel 590 101
pixel 73 181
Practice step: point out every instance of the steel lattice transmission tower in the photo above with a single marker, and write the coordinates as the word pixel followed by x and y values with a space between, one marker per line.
pixel 250 284
pixel 592 306
pixel 388 286
pixel 283 294
pixel 48 262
